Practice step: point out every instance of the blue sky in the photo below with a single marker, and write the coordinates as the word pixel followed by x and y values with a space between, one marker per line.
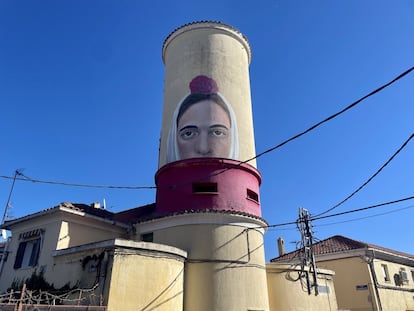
pixel 81 88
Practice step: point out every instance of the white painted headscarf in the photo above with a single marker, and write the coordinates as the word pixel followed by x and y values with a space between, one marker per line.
pixel 208 85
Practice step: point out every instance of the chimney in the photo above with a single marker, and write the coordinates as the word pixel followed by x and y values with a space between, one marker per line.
pixel 96 205
pixel 281 246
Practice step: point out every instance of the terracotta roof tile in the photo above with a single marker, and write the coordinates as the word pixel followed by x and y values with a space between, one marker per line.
pixel 135 214
pixel 131 216
pixel 99 212
pixel 338 244
pixel 154 215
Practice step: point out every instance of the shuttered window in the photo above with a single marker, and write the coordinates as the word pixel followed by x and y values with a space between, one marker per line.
pixel 27 254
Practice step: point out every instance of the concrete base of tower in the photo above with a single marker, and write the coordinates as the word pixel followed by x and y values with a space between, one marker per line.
pixel 210 207
pixel 225 267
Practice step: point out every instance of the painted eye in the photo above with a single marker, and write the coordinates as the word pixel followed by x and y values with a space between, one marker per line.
pixel 218 132
pixel 187 134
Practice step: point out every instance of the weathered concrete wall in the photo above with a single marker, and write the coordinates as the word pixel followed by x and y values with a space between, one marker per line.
pixel 289 292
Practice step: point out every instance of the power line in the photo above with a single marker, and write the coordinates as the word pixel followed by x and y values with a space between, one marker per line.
pixel 310 128
pixel 333 115
pixel 78 185
pixel 317 217
pixel 363 209
pixel 240 162
pixel 338 214
pixel 369 179
pixel 366 217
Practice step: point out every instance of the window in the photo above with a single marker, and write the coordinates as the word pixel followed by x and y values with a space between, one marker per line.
pixel 403 276
pixel 385 272
pixel 27 254
pixel 323 289
pixel 205 187
pixel 412 275
pixel 147 237
pixel 251 195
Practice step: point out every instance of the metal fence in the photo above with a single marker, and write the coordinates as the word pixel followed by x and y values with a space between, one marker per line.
pixel 30 307
pixel 27 300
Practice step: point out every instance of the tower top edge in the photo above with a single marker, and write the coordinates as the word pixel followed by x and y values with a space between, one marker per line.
pixel 220 163
pixel 207 25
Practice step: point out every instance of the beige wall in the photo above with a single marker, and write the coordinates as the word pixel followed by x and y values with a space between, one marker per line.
pixel 287 292
pixel 220 52
pixel 350 272
pixel 77 268
pixel 353 271
pixel 60 230
pixel 77 231
pixel 130 275
pixel 50 227
pixel 392 296
pixel 146 281
pixel 225 269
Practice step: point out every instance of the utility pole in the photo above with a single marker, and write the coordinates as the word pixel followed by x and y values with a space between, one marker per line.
pixel 308 259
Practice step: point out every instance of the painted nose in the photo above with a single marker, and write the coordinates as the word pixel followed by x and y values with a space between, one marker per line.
pixel 203 146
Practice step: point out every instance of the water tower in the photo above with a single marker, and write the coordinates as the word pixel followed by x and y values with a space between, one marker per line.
pixel 208 201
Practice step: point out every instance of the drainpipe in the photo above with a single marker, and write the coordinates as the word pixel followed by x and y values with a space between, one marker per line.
pixel 374 278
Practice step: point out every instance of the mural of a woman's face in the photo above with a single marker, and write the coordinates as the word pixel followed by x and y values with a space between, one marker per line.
pixel 204 130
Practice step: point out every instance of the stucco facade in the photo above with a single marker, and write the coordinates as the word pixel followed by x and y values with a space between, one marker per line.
pixel 199 260
pixel 225 268
pixel 40 234
pixel 216 219
pixel 126 275
pixel 289 290
pixel 361 283
pixel 367 277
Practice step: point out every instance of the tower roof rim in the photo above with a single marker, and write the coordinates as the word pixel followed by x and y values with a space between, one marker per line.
pixel 207 24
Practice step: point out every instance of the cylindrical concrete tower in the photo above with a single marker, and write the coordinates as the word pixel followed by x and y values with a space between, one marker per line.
pixel 221 54
pixel 208 201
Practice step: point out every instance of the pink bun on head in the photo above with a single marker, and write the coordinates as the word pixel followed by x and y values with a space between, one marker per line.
pixel 203 85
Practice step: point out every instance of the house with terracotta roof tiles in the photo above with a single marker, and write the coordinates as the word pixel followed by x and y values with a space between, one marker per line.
pixel 84 255
pixel 367 276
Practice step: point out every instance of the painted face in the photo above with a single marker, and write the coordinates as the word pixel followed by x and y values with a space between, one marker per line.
pixel 204 131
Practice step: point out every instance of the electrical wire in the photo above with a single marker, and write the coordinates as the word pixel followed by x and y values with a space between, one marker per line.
pixel 313 218
pixel 316 125
pixel 240 162
pixel 362 209
pixel 366 217
pixel 317 217
pixel 78 185
pixel 333 115
pixel 369 179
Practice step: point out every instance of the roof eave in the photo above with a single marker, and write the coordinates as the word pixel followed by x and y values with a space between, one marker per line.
pixel 11 223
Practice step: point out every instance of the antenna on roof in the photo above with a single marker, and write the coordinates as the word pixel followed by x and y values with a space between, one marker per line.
pixel 8 205
pixel 104 204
